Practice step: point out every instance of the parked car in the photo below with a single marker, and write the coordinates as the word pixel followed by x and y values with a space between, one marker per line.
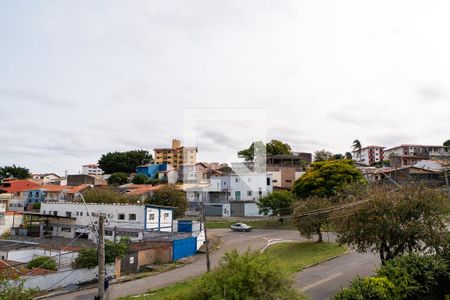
pixel 240 227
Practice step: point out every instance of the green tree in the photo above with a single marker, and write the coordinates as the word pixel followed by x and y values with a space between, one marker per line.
pixel 140 179
pixel 275 147
pixel 170 195
pixel 418 276
pixel 447 143
pixel 14 172
pixel 42 262
pixel 251 275
pixel 310 215
pixel 249 153
pixel 325 179
pixel 88 257
pixel 348 155
pixel 16 291
pixel 126 162
pixel 276 203
pixel 107 195
pixel 371 288
pixel 394 222
pixel 322 155
pixel 337 156
pixel 118 178
pixel 357 147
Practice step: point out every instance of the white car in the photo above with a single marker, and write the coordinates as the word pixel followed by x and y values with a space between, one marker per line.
pixel 240 227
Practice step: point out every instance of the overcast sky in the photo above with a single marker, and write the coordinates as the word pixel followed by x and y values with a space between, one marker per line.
pixel 81 78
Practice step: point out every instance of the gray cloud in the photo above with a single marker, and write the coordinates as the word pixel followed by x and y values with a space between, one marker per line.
pixel 33 97
pixel 430 94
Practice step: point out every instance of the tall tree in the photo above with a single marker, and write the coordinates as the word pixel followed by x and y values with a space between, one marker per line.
pixel 170 195
pixel 309 223
pixel 393 222
pixel 118 178
pixel 322 155
pixel 277 203
pixel 14 172
pixel 357 147
pixel 447 143
pixel 126 162
pixel 249 153
pixel 326 178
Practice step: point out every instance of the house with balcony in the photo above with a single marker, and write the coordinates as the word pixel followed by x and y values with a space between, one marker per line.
pixel 231 195
pixel 409 154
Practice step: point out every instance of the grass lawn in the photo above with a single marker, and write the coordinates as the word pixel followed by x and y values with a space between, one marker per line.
pixel 291 256
pixel 257 224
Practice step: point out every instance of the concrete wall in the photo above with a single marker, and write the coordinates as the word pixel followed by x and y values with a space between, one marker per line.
pixel 65 278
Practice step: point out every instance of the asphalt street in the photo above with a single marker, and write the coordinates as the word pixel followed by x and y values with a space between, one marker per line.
pixel 319 282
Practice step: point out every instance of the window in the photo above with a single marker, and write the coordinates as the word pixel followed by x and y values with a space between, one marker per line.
pixel 55 213
pixel 151 217
pixel 68 214
pixel 78 213
pixel 236 179
pixel 275 180
pixel 132 217
pixel 166 216
pixel 43 212
pixel 49 228
pixel 66 229
pixel 81 213
pixel 121 216
pixel 108 232
pixel 249 193
pixel 268 181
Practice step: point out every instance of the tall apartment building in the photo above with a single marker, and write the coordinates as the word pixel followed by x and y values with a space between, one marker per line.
pixel 176 156
pixel 369 155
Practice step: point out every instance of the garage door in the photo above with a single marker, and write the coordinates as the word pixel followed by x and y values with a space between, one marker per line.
pixel 237 209
pixel 213 210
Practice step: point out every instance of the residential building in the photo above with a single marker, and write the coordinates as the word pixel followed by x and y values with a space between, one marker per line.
pixel 284 177
pixel 404 175
pixel 230 195
pixel 176 156
pixel 91 169
pixel 121 219
pixel 197 172
pixel 46 178
pixel 368 155
pixel 13 192
pixel 408 154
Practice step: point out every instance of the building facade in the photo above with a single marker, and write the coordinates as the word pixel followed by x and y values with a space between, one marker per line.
pixel 368 155
pixel 176 156
pixel 91 169
pixel 408 155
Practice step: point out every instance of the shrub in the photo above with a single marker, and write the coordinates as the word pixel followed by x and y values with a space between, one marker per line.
pixel 251 275
pixel 140 179
pixel 88 257
pixel 371 288
pixel 418 277
pixel 9 291
pixel 118 178
pixel 43 262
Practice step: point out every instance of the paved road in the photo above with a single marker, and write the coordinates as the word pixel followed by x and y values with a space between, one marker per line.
pixel 320 282
pixel 232 240
pixel 324 280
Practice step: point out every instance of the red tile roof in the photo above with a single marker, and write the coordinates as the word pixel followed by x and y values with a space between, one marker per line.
pixel 13 186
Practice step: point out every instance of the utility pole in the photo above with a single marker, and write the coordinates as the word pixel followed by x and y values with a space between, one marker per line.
pixel 202 218
pixel 101 257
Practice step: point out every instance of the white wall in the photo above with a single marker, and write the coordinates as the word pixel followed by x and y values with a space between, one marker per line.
pixel 159 218
pixel 251 210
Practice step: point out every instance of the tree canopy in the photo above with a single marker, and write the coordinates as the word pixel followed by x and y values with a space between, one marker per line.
pixel 447 143
pixel 277 203
pixel 126 162
pixel 322 155
pixel 274 147
pixel 309 223
pixel 14 172
pixel 170 195
pixel 394 222
pixel 107 195
pixel 326 178
pixel 42 262
pixel 118 178
pixel 88 257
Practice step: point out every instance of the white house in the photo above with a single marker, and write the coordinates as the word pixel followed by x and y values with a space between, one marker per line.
pixel 121 219
pixel 232 195
pixel 91 169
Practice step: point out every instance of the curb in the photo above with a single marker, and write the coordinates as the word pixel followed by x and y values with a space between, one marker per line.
pixel 328 259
